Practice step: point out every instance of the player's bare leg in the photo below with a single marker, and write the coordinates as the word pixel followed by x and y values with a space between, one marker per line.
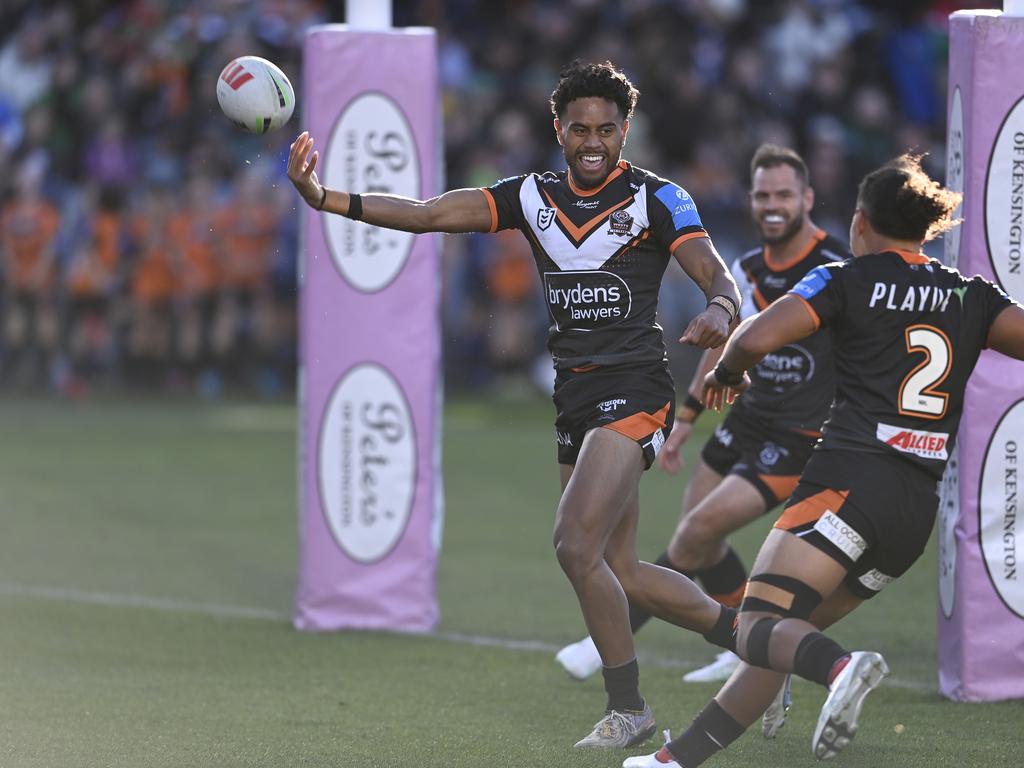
pixel 598 493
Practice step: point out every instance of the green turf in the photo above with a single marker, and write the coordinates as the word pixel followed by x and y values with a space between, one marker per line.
pixel 194 505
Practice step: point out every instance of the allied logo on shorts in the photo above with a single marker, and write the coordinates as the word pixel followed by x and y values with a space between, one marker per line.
pixel 610 405
pixel 367 463
pixel 586 300
pixel 1000 518
pixel 372 148
pixel 927 445
pixel 839 532
pixel 620 223
pixel 544 218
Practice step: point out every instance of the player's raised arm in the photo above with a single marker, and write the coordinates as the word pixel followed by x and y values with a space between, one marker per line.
pixel 461 210
pixel 699 259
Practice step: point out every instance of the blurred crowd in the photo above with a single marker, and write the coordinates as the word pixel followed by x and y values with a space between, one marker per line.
pixel 147 242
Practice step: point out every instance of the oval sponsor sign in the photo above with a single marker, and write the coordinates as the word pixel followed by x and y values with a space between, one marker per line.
pixel 1004 203
pixel 955 173
pixel 949 516
pixel 1000 522
pixel 371 149
pixel 367 463
pixel 585 300
pixel 790 367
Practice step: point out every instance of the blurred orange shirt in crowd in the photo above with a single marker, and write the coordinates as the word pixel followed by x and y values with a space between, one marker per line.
pixel 154 278
pixel 196 240
pixel 92 273
pixel 28 230
pixel 250 234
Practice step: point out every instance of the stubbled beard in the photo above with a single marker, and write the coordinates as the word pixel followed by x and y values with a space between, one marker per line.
pixel 787 234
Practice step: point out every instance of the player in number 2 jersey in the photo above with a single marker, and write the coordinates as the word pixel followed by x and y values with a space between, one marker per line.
pixel 907 332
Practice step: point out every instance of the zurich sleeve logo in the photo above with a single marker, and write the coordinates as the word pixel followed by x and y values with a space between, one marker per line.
pixel 813 282
pixel 680 205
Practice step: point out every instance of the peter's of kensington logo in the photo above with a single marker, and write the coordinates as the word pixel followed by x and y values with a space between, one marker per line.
pixel 367 463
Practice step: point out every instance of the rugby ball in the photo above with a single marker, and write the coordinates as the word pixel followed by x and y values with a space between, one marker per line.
pixel 254 94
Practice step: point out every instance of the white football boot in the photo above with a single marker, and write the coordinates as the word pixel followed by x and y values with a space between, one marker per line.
pixel 580 660
pixel 660 759
pixel 837 722
pixel 775 716
pixel 720 669
pixel 620 729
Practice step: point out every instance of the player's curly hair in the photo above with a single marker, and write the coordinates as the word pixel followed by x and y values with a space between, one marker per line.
pixel 580 81
pixel 901 201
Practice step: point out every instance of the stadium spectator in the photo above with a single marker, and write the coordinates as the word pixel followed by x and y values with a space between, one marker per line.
pixel 866 502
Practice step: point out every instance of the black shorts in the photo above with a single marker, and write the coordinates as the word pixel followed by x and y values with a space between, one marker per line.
pixel 770 458
pixel 870 512
pixel 636 400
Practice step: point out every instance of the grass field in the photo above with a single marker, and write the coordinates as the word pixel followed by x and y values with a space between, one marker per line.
pixel 147 561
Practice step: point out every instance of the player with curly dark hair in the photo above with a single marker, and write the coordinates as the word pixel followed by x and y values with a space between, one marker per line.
pixel 907 333
pixel 602 233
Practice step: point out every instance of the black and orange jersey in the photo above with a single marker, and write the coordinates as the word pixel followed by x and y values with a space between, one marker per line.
pixel 601 254
pixel 792 387
pixel 907 333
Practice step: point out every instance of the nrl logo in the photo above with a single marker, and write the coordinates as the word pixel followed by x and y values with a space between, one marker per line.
pixel 620 223
pixel 544 218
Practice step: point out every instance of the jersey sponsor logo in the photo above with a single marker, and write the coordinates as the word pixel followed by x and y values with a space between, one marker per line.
pixel 910 298
pixel 789 368
pixel 1004 203
pixel 587 205
pixel 813 283
pixel 680 205
pixel 371 149
pixel 1000 511
pixel 773 281
pixel 620 223
pixel 586 300
pixel 610 405
pixel 927 445
pixel 367 463
pixel 840 533
pixel 875 580
pixel 544 218
pixel 723 435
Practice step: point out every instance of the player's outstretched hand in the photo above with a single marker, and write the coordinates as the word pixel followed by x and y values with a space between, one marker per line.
pixel 717 395
pixel 707 330
pixel 669 458
pixel 301 173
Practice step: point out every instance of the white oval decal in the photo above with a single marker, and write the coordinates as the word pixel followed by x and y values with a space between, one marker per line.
pixel 367 463
pixel 371 149
pixel 1004 203
pixel 955 173
pixel 949 516
pixel 1000 527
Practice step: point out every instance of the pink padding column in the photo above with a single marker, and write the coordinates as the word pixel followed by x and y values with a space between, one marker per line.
pixel 981 519
pixel 369 450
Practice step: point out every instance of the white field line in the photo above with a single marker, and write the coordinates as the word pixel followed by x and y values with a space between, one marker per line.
pixel 173 605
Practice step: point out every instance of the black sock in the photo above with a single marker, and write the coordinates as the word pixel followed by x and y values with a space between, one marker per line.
pixel 725 580
pixel 623 687
pixel 639 616
pixel 723 634
pixel 815 657
pixel 712 730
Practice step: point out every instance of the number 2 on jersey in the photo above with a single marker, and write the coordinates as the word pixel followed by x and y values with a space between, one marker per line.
pixel 917 392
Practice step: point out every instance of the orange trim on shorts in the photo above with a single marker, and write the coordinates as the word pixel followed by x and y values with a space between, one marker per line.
pixel 810 509
pixel 733 599
pixel 781 485
pixel 683 238
pixel 810 310
pixel 584 369
pixel 640 425
pixel 494 209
